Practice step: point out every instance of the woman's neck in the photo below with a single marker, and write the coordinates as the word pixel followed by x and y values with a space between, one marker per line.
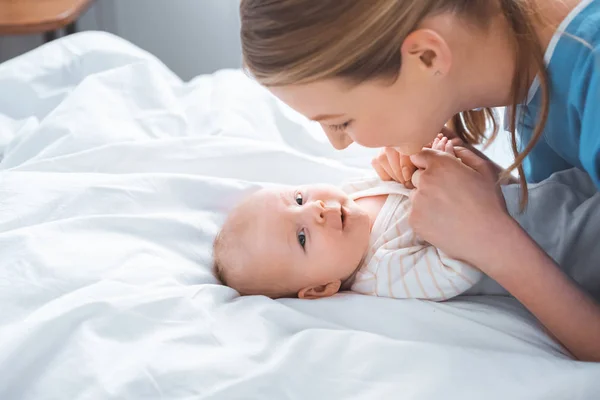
pixel 550 14
pixel 485 63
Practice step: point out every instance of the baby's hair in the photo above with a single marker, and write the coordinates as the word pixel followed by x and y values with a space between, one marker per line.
pixel 228 249
pixel 303 41
pixel 218 267
pixel 232 256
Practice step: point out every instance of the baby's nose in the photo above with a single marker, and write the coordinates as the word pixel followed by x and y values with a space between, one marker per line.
pixel 329 214
pixel 316 210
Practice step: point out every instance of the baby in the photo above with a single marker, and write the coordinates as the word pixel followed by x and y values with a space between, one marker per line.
pixel 313 241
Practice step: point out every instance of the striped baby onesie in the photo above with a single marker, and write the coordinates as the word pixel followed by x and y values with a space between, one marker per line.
pixel 399 264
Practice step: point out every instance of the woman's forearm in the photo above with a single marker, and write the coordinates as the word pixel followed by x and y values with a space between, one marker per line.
pixel 517 263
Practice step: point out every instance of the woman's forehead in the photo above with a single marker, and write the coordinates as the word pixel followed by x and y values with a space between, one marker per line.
pixel 315 99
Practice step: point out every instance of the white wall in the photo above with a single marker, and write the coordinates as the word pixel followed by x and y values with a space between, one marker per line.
pixel 191 36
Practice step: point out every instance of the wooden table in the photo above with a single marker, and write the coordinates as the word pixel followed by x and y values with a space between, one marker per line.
pixel 18 17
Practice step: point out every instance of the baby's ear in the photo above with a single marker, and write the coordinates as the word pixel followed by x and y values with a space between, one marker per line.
pixel 317 292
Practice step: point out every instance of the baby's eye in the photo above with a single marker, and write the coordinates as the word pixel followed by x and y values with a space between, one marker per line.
pixel 299 199
pixel 302 238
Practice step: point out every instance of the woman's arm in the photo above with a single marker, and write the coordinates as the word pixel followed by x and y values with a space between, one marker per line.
pixel 516 262
pixel 458 207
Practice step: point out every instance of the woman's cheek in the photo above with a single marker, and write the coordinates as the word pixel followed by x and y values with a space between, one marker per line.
pixel 371 137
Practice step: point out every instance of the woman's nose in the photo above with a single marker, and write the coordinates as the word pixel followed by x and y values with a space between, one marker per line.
pixel 339 141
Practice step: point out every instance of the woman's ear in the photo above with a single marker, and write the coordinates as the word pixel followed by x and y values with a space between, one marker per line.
pixel 320 291
pixel 427 50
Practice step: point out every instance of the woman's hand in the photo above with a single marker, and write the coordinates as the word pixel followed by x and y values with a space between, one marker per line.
pixel 457 205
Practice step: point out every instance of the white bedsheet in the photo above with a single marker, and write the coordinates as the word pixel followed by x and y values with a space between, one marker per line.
pixel 115 178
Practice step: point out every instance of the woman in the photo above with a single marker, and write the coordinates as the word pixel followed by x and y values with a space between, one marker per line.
pixel 391 73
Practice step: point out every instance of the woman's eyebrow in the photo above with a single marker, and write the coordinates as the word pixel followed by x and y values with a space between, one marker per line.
pixel 323 117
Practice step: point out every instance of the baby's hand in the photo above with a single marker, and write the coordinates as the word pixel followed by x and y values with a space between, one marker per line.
pixel 391 165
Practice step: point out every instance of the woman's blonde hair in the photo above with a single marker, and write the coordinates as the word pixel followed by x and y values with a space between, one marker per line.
pixel 301 41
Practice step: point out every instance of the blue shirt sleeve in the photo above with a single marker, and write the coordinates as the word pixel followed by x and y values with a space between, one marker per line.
pixel 589 145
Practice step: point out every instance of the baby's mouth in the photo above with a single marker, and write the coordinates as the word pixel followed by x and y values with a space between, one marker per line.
pixel 343 217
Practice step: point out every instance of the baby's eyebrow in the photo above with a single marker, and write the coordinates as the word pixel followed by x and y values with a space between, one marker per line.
pixel 287 196
pixel 283 196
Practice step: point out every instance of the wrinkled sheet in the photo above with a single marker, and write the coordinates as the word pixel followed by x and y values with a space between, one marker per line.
pixel 114 180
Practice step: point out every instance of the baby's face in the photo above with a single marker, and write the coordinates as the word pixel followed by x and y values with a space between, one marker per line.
pixel 308 237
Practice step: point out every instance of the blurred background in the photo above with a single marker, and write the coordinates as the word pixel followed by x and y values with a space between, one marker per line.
pixel 191 37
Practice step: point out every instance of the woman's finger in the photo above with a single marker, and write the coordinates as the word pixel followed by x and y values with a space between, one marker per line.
pixel 416 176
pixel 424 158
pixel 457 142
pixel 472 160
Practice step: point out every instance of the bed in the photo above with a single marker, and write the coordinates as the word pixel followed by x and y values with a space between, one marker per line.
pixel 116 175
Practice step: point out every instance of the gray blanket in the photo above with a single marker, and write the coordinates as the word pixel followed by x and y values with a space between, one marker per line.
pixel 563 217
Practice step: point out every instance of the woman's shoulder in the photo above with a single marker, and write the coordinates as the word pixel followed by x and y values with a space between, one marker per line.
pixel 585 23
pixel 577 37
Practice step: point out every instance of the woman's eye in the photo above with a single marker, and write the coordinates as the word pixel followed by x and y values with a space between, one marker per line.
pixel 340 127
pixel 302 238
pixel 299 199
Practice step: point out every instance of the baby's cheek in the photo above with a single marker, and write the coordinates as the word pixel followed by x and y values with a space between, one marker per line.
pixel 330 247
pixel 340 249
